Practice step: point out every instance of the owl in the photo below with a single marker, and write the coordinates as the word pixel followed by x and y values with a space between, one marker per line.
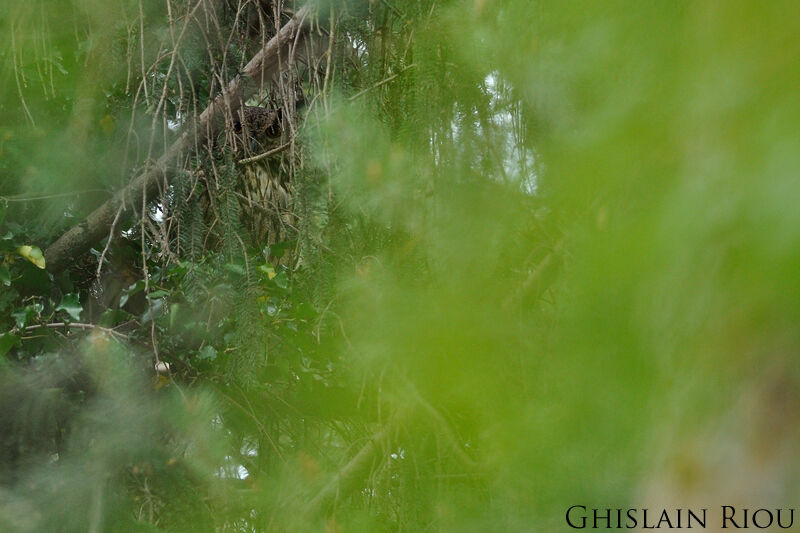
pixel 264 190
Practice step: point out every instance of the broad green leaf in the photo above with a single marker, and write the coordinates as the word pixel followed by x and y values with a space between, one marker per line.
pixel 208 353
pixel 157 294
pixel 236 269
pixel 282 280
pixel 32 254
pixel 268 270
pixel 5 277
pixel 72 305
pixel 33 279
pixel 8 341
pixel 130 291
pixel 23 316
pixel 278 250
pixel 155 310
pixel 112 317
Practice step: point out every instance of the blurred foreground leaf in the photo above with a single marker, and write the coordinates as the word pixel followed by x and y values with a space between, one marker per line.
pixel 32 254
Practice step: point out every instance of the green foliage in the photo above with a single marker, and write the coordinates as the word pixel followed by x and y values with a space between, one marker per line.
pixel 541 254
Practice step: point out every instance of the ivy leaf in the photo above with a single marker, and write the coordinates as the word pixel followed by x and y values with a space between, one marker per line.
pixel 72 305
pixel 282 280
pixel 112 317
pixel 33 279
pixel 234 268
pixel 130 291
pixel 23 316
pixel 268 270
pixel 8 341
pixel 155 310
pixel 32 254
pixel 208 353
pixel 155 295
pixel 278 249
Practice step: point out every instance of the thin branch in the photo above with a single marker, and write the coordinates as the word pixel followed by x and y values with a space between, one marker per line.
pixel 266 154
pixel 353 472
pixel 78 325
pixel 108 244
pixel 534 275
pixel 393 9
pixel 17 71
pixel 23 198
pixel 382 82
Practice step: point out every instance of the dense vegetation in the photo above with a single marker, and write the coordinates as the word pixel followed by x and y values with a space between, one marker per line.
pixel 538 254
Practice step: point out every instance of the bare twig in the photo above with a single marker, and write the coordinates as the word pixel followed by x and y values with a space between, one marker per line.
pixel 17 71
pixel 382 82
pixel 266 154
pixel 535 274
pixel 24 198
pixel 393 9
pixel 78 325
pixel 108 244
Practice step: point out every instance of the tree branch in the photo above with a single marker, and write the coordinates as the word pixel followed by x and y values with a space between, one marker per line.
pixel 78 325
pixel 354 472
pixel 262 66
pixel 265 155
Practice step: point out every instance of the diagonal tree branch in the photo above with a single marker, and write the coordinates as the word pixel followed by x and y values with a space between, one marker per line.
pixel 353 473
pixel 262 66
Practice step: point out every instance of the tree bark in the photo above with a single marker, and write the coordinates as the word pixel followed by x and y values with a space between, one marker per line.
pixel 261 68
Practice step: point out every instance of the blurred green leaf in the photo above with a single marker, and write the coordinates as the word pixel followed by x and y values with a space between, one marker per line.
pixel 111 317
pixel 130 291
pixel 281 280
pixel 525 241
pixel 268 270
pixel 154 311
pixel 236 269
pixel 207 353
pixel 32 254
pixel 158 294
pixel 174 314
pixel 7 342
pixel 279 249
pixel 24 316
pixel 33 278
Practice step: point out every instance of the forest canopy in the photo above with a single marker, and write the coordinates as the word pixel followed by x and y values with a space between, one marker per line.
pixel 383 265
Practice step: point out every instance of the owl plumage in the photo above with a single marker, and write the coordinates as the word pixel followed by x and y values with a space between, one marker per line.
pixel 265 192
pixel 258 123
